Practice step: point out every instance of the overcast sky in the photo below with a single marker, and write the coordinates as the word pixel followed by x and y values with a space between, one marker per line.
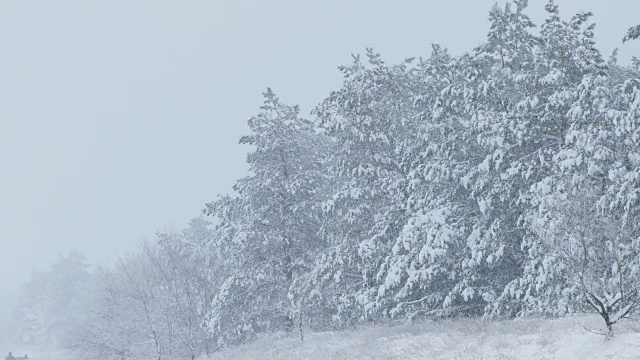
pixel 121 117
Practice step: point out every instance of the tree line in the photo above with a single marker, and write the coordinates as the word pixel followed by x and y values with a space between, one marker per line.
pixel 504 182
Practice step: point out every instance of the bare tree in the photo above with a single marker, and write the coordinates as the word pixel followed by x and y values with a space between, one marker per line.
pixel 596 254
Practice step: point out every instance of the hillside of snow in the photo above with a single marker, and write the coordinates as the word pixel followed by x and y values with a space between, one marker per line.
pixel 531 339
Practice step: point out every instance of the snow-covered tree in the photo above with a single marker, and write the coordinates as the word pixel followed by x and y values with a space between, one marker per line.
pixel 584 205
pixel 632 34
pixel 567 56
pixel 53 302
pixel 134 317
pixel 270 229
pixel 496 104
pixel 373 119
pixel 593 257
pixel 155 304
pixel 190 278
pixel 415 275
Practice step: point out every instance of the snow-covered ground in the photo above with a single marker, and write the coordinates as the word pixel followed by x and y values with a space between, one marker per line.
pixel 34 354
pixel 469 339
pixel 530 339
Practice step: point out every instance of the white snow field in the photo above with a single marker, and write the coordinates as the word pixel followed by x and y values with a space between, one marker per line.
pixel 534 339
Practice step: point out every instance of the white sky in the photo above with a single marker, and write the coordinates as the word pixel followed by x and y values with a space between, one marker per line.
pixel 121 117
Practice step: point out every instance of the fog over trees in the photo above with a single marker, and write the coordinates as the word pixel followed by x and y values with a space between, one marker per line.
pixel 501 183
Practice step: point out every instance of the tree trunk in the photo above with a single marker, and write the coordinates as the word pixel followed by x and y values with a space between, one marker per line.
pixel 609 331
pixel 300 325
pixel 290 320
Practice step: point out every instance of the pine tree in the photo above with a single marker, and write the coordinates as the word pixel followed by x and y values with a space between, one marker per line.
pixel 567 57
pixel 632 34
pixel 417 269
pixel 270 228
pixel 372 118
pixel 498 107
